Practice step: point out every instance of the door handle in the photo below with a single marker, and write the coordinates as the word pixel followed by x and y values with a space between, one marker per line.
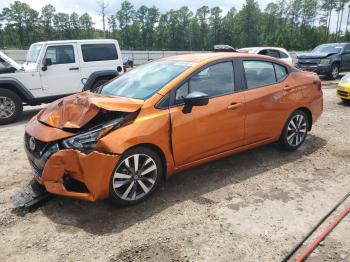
pixel 74 68
pixel 234 106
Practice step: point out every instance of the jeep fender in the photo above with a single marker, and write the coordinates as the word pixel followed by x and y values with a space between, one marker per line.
pixel 99 74
pixel 17 87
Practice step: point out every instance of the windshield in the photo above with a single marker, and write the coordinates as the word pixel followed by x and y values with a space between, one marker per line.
pixel 328 48
pixel 33 53
pixel 146 80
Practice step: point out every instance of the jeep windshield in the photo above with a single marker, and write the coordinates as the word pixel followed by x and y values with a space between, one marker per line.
pixel 33 53
pixel 146 80
pixel 329 48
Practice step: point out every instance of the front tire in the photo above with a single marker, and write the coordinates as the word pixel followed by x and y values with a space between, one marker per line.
pixel 334 73
pixel 295 131
pixel 136 177
pixel 11 106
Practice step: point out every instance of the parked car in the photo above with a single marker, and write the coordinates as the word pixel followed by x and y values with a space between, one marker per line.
pixel 343 88
pixel 127 63
pixel 167 116
pixel 224 48
pixel 277 52
pixel 326 59
pixel 54 69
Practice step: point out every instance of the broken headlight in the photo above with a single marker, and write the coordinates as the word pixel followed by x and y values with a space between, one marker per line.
pixel 86 141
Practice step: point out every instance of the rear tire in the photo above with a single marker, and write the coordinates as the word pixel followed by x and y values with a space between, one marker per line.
pixel 11 106
pixel 136 176
pixel 98 84
pixel 295 131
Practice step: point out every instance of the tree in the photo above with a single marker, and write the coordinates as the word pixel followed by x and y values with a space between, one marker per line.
pixel 86 25
pixel 47 15
pixel 103 11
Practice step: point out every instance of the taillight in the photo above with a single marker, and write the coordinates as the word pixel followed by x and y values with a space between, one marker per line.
pixel 318 83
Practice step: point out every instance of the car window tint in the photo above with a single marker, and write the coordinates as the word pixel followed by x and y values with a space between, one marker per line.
pixel 181 92
pixel 60 54
pixel 99 52
pixel 259 73
pixel 273 53
pixel 281 72
pixel 215 80
pixel 283 55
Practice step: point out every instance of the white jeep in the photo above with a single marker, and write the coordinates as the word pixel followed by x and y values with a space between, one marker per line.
pixel 55 69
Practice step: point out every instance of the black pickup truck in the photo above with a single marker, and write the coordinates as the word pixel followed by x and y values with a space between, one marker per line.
pixel 326 59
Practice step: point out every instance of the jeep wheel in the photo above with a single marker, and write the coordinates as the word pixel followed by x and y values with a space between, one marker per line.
pixel 334 73
pixel 98 84
pixel 11 106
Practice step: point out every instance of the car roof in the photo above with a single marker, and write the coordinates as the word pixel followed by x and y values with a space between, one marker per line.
pixel 201 57
pixel 263 47
pixel 79 41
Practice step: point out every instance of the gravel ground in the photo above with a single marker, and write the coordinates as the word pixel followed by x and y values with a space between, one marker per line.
pixel 254 206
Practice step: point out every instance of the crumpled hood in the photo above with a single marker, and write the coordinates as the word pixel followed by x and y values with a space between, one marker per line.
pixel 10 61
pixel 77 110
pixel 314 55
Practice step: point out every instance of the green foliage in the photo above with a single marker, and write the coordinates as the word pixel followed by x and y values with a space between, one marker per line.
pixel 293 24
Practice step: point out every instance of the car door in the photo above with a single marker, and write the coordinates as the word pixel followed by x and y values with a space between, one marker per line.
pixel 345 57
pixel 268 99
pixel 211 129
pixel 63 76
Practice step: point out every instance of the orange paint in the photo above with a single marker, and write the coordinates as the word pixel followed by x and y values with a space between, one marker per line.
pixel 228 124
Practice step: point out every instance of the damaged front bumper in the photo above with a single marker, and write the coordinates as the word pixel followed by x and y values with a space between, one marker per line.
pixel 56 168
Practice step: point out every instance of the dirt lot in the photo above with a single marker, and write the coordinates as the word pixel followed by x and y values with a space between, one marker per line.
pixel 254 206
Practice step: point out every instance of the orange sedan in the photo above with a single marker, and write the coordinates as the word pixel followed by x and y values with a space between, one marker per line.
pixel 167 116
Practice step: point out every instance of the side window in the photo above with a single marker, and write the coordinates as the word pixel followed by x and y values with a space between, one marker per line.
pixel 281 72
pixel 347 48
pixel 181 92
pixel 283 54
pixel 273 53
pixel 99 52
pixel 60 54
pixel 259 73
pixel 214 80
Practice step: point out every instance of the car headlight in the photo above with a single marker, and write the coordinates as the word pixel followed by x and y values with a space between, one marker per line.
pixel 345 79
pixel 86 141
pixel 325 61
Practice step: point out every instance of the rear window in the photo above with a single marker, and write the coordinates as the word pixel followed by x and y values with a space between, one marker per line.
pixel 99 52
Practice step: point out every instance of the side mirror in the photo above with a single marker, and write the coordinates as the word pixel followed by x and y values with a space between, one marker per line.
pixel 46 62
pixel 195 99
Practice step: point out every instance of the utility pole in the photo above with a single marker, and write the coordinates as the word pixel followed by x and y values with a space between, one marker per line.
pixel 103 6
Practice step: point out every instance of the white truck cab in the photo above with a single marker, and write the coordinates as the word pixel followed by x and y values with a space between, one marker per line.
pixel 55 69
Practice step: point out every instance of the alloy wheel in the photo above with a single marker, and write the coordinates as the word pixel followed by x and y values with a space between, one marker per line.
pixel 134 177
pixel 7 107
pixel 296 130
pixel 335 72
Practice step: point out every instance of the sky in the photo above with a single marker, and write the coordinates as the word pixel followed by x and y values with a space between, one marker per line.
pixel 91 6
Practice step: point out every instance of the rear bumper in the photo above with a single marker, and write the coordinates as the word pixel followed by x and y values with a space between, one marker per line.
pixel 319 69
pixel 93 170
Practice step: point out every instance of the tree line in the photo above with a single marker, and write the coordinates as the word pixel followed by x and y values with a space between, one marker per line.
pixel 292 24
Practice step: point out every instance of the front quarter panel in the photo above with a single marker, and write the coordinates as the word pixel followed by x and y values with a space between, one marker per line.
pixel 151 127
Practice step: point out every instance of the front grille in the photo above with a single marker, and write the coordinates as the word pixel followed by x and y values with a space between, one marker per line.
pixel 40 146
pixel 343 93
pixel 311 61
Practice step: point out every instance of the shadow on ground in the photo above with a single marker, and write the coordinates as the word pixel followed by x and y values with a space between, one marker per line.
pixel 104 218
